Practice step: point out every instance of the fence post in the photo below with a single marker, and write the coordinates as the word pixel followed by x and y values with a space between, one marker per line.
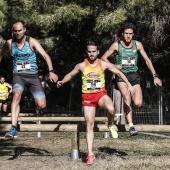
pixel 160 107
pixel 75 145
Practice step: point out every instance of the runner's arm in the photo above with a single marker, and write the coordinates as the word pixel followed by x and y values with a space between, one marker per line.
pixel 149 64
pixel 112 50
pixel 114 70
pixel 10 87
pixel 70 75
pixel 36 45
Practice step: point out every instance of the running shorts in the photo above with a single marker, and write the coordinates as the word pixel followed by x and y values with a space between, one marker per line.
pixel 31 81
pixel 4 101
pixel 92 99
pixel 132 77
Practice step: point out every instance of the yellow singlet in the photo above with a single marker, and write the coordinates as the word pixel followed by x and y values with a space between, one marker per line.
pixel 93 78
pixel 3 91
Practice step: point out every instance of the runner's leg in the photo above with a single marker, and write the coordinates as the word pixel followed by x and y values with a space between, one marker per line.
pixel 89 115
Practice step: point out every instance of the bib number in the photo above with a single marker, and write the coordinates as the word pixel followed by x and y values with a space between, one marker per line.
pixel 2 94
pixel 128 61
pixel 23 66
pixel 93 85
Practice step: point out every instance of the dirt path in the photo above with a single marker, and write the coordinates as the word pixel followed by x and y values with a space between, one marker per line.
pixel 52 152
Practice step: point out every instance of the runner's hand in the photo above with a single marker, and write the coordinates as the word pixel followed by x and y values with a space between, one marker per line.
pixel 53 77
pixel 119 67
pixel 59 84
pixel 131 90
pixel 157 82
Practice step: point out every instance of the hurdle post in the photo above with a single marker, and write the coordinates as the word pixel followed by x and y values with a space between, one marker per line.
pixel 75 145
pixel 39 133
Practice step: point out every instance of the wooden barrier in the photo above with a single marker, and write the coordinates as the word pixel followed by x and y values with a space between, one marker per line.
pixel 52 119
pixel 76 125
pixel 39 124
pixel 82 128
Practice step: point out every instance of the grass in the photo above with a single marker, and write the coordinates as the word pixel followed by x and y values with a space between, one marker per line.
pixel 52 152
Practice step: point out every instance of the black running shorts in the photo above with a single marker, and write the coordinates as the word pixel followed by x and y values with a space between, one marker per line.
pixel 132 77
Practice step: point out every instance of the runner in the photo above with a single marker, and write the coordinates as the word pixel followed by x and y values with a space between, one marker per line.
pixel 126 61
pixel 94 93
pixel 5 90
pixel 25 70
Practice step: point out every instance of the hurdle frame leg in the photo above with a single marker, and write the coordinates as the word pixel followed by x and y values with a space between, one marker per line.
pixel 39 133
pixel 75 145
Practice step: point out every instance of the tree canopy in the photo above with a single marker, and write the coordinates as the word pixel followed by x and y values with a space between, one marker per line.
pixel 63 26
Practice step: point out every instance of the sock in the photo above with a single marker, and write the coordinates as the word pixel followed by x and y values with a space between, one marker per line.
pixel 130 124
pixel 14 127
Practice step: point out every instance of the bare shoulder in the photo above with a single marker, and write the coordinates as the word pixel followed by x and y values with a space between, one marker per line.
pixel 7 84
pixel 114 46
pixel 7 44
pixel 33 41
pixel 139 44
pixel 80 66
pixel 34 44
pixel 105 65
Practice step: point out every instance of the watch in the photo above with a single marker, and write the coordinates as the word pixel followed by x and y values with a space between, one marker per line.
pixel 52 71
pixel 155 75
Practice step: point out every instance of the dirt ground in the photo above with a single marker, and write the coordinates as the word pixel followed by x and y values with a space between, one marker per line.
pixel 52 152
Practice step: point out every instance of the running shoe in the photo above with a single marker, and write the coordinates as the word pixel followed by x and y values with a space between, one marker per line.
pixel 12 133
pixel 90 159
pixel 113 131
pixel 133 131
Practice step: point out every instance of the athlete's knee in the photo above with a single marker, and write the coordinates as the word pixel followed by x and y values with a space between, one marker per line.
pixel 127 98
pixel 89 124
pixel 138 103
pixel 16 97
pixel 41 105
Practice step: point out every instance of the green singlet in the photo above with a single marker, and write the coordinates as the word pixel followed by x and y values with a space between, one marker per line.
pixel 127 57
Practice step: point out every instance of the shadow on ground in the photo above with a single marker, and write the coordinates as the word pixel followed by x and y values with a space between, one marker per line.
pixel 103 152
pixel 9 147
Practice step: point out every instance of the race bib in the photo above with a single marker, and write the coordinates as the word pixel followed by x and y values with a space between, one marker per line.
pixel 2 94
pixel 93 85
pixel 128 61
pixel 23 66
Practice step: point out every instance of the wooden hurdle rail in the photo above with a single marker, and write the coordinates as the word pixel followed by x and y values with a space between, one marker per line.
pixel 74 125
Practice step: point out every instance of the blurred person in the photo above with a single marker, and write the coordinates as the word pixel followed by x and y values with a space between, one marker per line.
pixel 126 52
pixel 25 70
pixel 94 93
pixel 5 90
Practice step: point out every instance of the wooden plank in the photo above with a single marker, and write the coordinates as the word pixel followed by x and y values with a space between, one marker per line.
pixel 44 114
pixel 82 128
pixel 52 127
pixel 55 119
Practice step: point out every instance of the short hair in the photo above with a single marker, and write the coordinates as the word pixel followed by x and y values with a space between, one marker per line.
pixel 92 42
pixel 2 77
pixel 19 21
pixel 128 25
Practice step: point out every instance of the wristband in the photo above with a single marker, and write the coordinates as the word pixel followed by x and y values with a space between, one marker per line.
pixel 52 71
pixel 155 75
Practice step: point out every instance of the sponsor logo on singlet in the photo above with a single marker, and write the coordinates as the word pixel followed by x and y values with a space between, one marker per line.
pixel 93 75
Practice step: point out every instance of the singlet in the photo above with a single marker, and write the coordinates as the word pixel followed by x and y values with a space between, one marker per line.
pixel 24 59
pixel 3 91
pixel 93 78
pixel 128 57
